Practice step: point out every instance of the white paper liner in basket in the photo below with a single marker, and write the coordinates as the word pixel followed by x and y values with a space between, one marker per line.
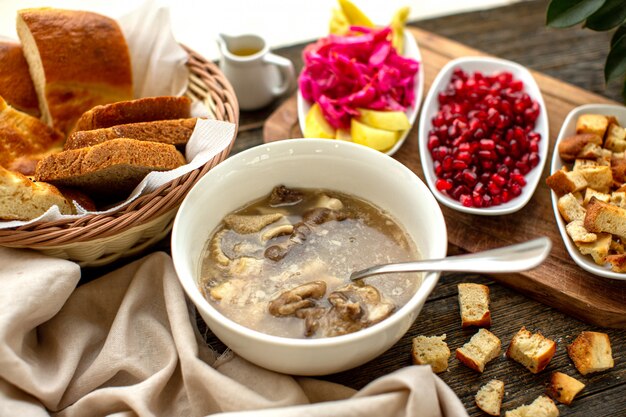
pixel 159 69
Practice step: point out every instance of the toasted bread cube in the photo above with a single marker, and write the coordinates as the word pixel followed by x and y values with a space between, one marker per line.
pixel 563 181
pixel 576 146
pixel 598 249
pixel 604 217
pixel 570 208
pixel 489 397
pixel 563 388
pixel 618 168
pixel 590 192
pixel 431 351
pixel 576 230
pixel 541 407
pixel 591 352
pixel 474 305
pixel 617 246
pixel 481 348
pixel 534 351
pixel 592 123
pixel 598 177
pixel 615 138
pixel 617 261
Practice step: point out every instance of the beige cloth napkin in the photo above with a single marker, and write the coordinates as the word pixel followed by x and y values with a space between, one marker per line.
pixel 125 345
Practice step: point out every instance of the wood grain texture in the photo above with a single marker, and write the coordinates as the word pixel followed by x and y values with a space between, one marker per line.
pixel 558 282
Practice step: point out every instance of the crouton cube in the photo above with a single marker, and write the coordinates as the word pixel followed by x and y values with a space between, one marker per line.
pixel 615 138
pixel 489 397
pixel 573 147
pixel 570 208
pixel 563 388
pixel 598 249
pixel 591 352
pixel 431 351
pixel 592 123
pixel 563 182
pixel 474 305
pixel 541 407
pixel 590 192
pixel 483 347
pixel 576 230
pixel 532 350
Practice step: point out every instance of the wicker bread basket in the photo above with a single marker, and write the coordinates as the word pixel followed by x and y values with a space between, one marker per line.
pixel 95 240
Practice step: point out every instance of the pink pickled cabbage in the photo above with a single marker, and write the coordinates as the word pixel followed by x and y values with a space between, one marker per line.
pixel 361 69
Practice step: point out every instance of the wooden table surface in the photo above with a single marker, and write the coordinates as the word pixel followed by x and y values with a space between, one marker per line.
pixel 577 56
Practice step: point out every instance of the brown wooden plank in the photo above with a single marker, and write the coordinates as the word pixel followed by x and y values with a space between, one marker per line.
pixel 559 282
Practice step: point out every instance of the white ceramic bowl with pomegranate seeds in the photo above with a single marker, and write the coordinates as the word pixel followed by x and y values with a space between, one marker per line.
pixel 517 177
pixel 569 129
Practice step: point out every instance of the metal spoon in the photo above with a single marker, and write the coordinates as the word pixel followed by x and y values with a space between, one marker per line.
pixel 514 258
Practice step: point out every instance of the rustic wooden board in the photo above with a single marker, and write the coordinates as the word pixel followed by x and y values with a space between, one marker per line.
pixel 558 282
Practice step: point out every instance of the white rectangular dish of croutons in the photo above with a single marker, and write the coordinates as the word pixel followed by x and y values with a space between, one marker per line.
pixel 588 182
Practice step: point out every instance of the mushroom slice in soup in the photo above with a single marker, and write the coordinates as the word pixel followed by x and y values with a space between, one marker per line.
pixel 246 224
pixel 354 308
pixel 216 249
pixel 302 296
pixel 331 203
pixel 283 196
pixel 279 230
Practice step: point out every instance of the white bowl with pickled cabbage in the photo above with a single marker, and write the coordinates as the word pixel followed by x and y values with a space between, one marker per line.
pixel 344 171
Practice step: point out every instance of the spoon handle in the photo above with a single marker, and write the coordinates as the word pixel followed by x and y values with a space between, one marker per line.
pixel 514 258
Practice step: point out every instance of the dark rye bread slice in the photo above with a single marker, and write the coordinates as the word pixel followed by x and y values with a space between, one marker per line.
pixel 146 109
pixel 110 170
pixel 174 132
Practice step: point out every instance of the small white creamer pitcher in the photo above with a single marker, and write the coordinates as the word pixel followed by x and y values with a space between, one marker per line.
pixel 257 75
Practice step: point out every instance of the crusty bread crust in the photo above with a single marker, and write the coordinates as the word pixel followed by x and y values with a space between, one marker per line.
pixel 563 182
pixel 77 60
pixel 563 388
pixel 541 407
pixel 16 86
pixel 24 139
pixel 108 170
pixel 146 109
pixel 174 132
pixel 22 199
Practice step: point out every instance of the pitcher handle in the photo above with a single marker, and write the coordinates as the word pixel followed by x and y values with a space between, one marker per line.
pixel 287 73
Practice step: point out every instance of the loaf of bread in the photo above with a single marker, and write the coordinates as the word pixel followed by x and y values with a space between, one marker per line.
pixel 77 60
pixel 532 350
pixel 591 352
pixel 16 86
pixel 24 140
pixel 23 199
pixel 563 388
pixel 489 397
pixel 431 351
pixel 474 305
pixel 174 132
pixel 146 109
pixel 541 407
pixel 109 170
pixel 481 348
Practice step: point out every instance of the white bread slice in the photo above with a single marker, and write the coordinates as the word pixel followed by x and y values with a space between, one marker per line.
pixel 532 350
pixel 591 352
pixel 541 407
pixel 474 305
pixel 481 348
pixel 23 199
pixel 431 351
pixel 563 388
pixel 489 397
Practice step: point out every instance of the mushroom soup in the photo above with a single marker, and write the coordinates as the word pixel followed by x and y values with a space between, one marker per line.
pixel 281 265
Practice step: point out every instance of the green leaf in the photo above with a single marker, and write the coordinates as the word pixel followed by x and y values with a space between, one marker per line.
pixel 608 16
pixel 615 65
pixel 621 31
pixel 565 13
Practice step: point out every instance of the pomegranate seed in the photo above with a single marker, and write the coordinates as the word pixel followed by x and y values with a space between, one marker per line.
pixel 498 180
pixel 516 189
pixel 443 185
pixel 466 200
pixel 487 144
pixel 433 142
pixel 518 179
pixel 458 165
pixel 470 178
